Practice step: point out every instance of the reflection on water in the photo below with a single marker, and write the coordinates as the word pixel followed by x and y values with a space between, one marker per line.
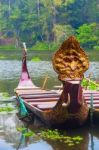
pixel 10 137
pixel 10 73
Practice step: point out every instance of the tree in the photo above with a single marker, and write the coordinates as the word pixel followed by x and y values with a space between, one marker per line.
pixel 87 35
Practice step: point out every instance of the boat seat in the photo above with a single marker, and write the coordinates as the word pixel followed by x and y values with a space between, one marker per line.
pixel 34 96
pixel 41 105
pixel 36 92
pixel 94 98
pixel 46 106
pixel 94 102
pixel 90 92
pixel 42 99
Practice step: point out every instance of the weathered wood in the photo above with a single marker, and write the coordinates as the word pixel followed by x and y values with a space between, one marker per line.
pixel 42 99
pixel 36 92
pixel 90 92
pixel 43 103
pixel 40 96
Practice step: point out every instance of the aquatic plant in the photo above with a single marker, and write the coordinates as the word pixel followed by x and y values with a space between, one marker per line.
pixel 5 94
pixel 6 109
pixel 25 132
pixel 90 84
pixel 2 57
pixel 21 129
pixel 56 135
pixel 36 59
pixel 52 135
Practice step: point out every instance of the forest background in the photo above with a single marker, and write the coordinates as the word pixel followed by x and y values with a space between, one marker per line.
pixel 44 24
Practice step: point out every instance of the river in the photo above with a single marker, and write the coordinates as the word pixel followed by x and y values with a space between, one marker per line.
pixel 10 71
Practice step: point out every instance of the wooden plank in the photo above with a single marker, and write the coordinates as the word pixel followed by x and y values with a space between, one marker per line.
pixel 94 98
pixel 27 88
pixel 44 107
pixel 94 94
pixel 42 103
pixel 42 99
pixel 36 92
pixel 94 102
pixel 90 92
pixel 40 96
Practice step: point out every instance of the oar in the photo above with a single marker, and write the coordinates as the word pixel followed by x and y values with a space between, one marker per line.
pixel 45 81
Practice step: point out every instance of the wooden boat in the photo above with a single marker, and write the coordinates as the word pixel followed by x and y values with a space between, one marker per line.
pixel 68 109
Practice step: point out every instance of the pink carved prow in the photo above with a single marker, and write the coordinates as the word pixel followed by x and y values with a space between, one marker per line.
pixel 25 80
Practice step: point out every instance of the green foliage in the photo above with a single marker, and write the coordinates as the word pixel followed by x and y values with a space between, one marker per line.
pixel 36 59
pixel 45 46
pixel 2 57
pixel 96 47
pixel 87 35
pixel 25 132
pixel 56 135
pixel 40 46
pixel 42 24
pixel 5 95
pixel 8 47
pixel 52 135
pixel 62 32
pixel 21 129
pixel 6 109
pixel 90 84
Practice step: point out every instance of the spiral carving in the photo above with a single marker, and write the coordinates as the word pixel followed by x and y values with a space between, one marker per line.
pixel 70 61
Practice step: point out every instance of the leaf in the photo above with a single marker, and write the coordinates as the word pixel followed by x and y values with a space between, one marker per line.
pixel 28 134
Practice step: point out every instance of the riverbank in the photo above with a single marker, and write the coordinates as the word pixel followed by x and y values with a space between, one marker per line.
pixel 37 55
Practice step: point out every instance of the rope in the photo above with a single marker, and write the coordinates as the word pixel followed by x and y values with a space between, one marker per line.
pixel 23 111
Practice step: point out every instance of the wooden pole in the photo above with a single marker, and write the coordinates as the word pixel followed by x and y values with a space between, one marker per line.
pixel 45 81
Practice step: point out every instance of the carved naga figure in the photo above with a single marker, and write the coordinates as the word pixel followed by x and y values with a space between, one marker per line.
pixel 70 62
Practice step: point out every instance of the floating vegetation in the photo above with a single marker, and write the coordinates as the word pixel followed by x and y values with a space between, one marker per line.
pixel 4 96
pixel 55 135
pixel 25 132
pixel 2 57
pixel 52 135
pixel 90 84
pixel 36 59
pixel 6 109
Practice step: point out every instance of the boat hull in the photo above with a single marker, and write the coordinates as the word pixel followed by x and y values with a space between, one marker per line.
pixel 61 117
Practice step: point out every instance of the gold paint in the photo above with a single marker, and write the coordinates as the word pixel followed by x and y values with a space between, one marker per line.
pixel 70 61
